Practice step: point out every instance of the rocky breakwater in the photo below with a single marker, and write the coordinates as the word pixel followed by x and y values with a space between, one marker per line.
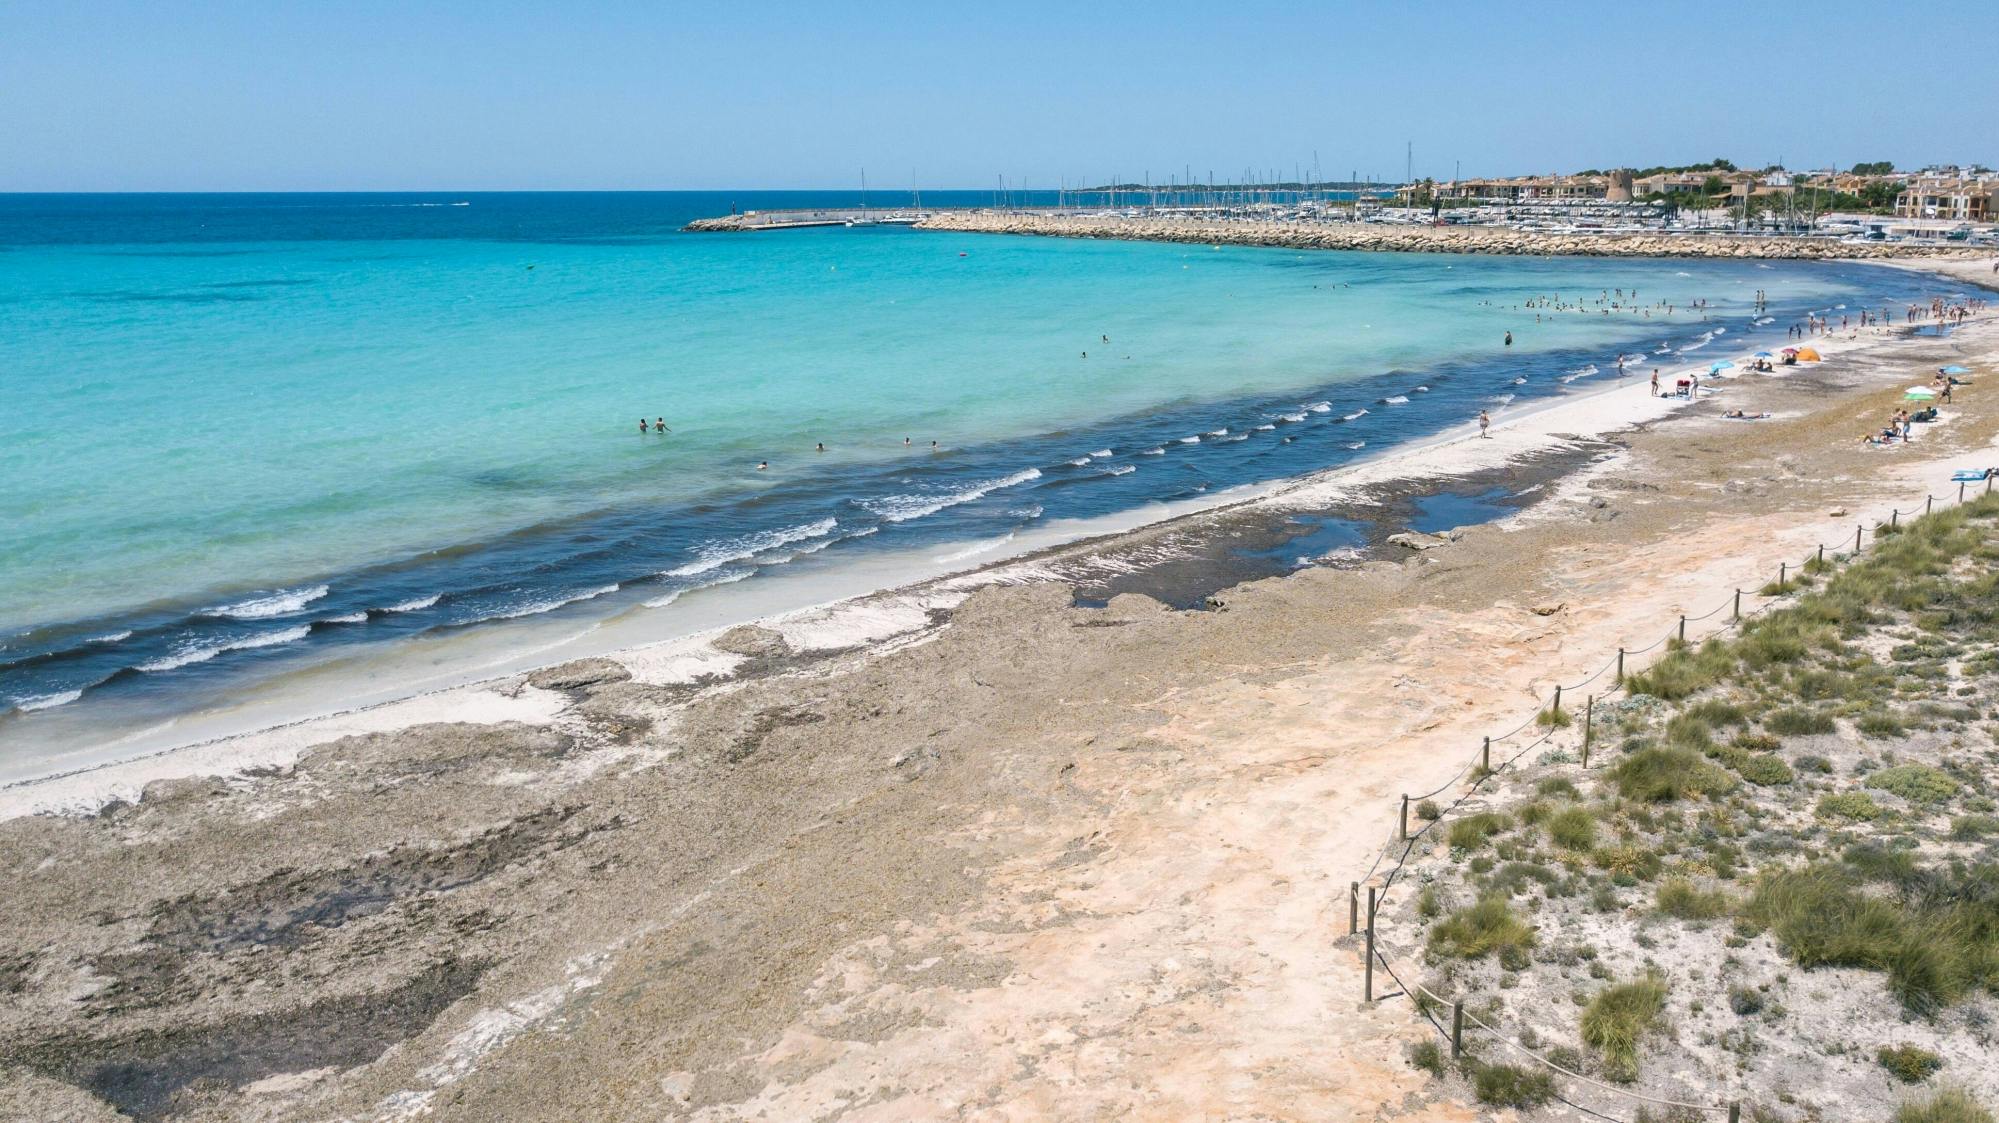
pixel 1421 239
pixel 727 224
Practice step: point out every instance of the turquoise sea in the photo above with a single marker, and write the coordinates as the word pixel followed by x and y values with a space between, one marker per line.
pixel 240 433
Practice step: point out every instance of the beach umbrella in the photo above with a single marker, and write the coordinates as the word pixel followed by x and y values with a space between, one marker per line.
pixel 1953 369
pixel 1919 392
pixel 1790 350
pixel 1721 366
pixel 1763 355
pixel 1810 355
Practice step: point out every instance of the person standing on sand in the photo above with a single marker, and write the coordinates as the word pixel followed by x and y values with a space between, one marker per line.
pixel 1484 424
pixel 1655 382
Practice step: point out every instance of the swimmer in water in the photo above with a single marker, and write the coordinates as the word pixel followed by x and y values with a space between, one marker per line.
pixel 905 442
pixel 659 423
pixel 642 424
pixel 1509 339
pixel 933 446
pixel 762 464
pixel 822 446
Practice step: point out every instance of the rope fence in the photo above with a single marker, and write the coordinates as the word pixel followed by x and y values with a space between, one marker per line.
pixel 1482 769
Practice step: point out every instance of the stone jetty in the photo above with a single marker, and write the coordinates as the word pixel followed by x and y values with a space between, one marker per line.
pixel 1422 239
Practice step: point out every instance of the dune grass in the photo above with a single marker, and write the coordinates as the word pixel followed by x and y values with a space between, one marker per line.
pixel 1472 831
pixel 1937 940
pixel 1617 1019
pixel 1483 928
pixel 1662 774
pixel 1951 1105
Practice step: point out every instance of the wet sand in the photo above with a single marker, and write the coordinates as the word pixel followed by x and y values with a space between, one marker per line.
pixel 970 850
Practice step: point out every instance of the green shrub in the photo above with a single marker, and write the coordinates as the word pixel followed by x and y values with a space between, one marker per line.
pixel 1970 828
pixel 1573 828
pixel 1555 719
pixel 1935 947
pixel 1880 723
pixel 1745 1000
pixel 1812 763
pixel 1628 860
pixel 1470 832
pixel 1557 786
pixel 1798 721
pixel 1428 811
pixel 1657 775
pixel 1714 711
pixel 1425 1055
pixel 1917 783
pixel 1479 930
pixel 1677 897
pixel 1857 806
pixel 1513 877
pixel 1757 743
pixel 1952 1105
pixel 1617 1019
pixel 1763 769
pixel 1512 1086
pixel 1683 671
pixel 1431 902
pixel 1908 1063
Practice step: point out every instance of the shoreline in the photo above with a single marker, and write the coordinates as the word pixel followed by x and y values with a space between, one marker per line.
pixel 1537 427
pixel 1027 859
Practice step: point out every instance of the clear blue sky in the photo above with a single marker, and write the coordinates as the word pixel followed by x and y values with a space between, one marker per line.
pixel 271 95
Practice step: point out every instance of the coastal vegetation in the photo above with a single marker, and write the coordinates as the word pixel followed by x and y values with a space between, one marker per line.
pixel 1786 848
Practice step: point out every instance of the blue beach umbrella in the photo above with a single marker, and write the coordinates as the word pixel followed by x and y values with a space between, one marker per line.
pixel 1763 355
pixel 1721 366
pixel 1954 369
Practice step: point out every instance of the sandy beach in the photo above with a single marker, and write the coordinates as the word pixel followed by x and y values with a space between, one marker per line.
pixel 963 849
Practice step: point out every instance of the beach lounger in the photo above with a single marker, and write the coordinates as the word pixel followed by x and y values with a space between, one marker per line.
pixel 1970 475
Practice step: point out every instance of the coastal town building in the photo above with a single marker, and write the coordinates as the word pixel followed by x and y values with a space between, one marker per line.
pixel 1955 198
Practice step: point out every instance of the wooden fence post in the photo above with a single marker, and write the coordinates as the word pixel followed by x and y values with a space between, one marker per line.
pixel 1894 518
pixel 1367 980
pixel 1783 574
pixel 1353 908
pixel 1457 1030
pixel 1929 501
pixel 1589 715
pixel 1620 666
pixel 1683 627
pixel 1738 606
pixel 1403 826
pixel 1856 539
pixel 1558 701
pixel 1367 987
pixel 1485 756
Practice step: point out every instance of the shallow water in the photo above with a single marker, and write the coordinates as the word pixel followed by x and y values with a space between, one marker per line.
pixel 248 434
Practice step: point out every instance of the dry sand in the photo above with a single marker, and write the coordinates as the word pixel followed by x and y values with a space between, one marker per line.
pixel 1010 859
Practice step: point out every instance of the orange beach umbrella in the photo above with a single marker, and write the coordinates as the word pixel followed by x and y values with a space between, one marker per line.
pixel 1809 355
